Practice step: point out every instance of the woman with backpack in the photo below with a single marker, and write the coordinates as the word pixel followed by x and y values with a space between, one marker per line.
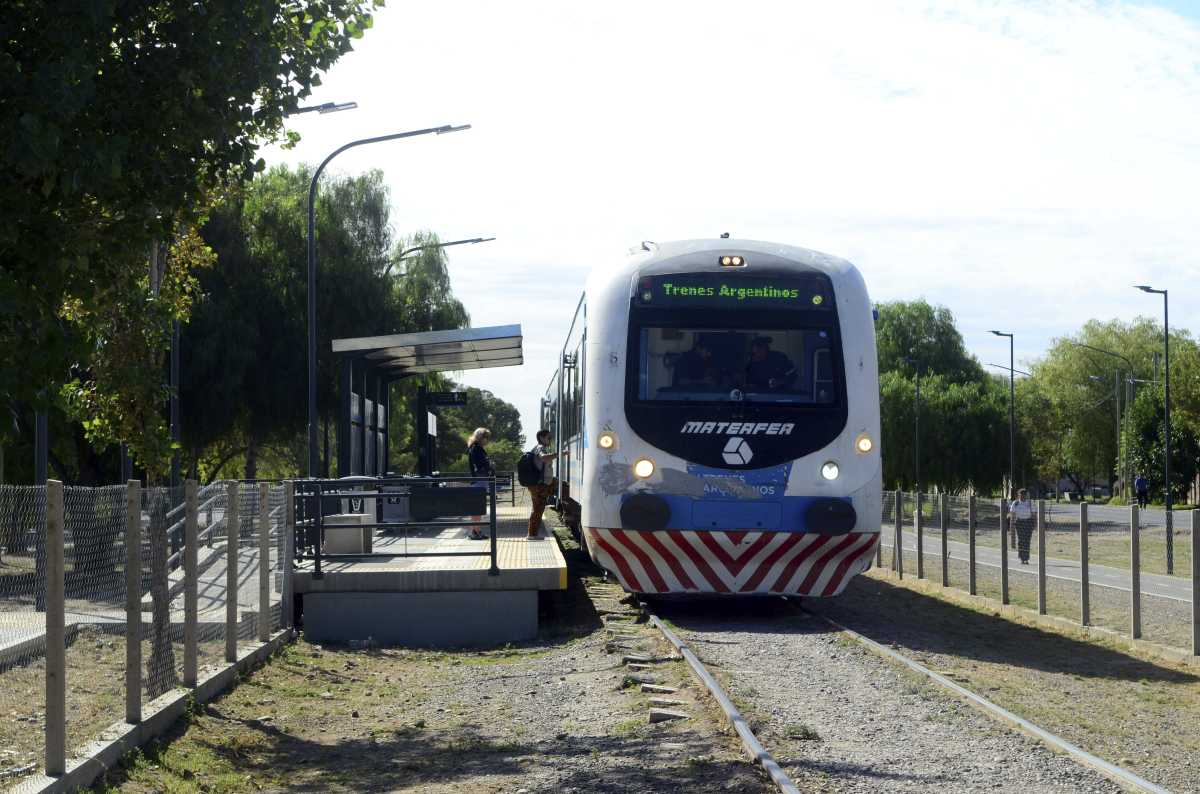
pixel 480 465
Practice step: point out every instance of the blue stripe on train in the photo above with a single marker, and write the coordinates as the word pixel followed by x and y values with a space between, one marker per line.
pixel 749 499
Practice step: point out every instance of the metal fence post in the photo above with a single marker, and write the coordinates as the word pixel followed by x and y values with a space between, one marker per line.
pixel 920 525
pixel 943 508
pixel 133 602
pixel 1135 574
pixel 1041 535
pixel 190 585
pixel 879 540
pixel 495 569
pixel 1195 591
pixel 1085 608
pixel 286 619
pixel 898 544
pixel 1004 550
pixel 232 532
pixel 264 562
pixel 56 649
pixel 971 519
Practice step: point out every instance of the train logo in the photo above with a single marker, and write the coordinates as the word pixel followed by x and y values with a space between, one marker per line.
pixel 737 452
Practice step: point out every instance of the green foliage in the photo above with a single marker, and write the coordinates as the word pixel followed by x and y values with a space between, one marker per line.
pixel 119 121
pixel 964 414
pixel 1145 433
pixel 1075 384
pixel 926 334
pixel 964 432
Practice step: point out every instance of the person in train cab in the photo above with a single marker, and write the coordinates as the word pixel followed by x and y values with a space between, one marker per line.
pixel 695 366
pixel 540 492
pixel 768 370
pixel 481 466
pixel 1020 516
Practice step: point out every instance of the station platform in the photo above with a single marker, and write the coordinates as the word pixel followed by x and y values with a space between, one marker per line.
pixel 434 601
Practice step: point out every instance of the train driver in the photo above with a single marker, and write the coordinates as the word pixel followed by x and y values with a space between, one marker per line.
pixel 696 367
pixel 768 370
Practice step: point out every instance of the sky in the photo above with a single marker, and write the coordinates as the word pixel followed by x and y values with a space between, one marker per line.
pixel 1021 163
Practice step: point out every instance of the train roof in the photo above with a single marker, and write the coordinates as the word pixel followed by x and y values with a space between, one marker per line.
pixel 650 253
pixel 650 258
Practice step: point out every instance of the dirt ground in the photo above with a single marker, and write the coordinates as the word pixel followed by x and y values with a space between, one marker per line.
pixel 558 714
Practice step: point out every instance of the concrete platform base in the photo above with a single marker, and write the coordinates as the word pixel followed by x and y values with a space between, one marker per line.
pixel 445 619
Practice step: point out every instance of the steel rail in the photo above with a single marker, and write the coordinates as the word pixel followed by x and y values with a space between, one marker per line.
pixel 749 740
pixel 1119 775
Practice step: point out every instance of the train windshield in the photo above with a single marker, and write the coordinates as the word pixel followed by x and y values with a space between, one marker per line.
pixel 754 365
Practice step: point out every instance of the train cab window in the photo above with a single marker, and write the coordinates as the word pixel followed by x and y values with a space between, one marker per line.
pixel 757 365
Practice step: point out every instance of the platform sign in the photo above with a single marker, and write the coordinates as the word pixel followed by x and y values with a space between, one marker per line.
pixel 431 418
pixel 448 398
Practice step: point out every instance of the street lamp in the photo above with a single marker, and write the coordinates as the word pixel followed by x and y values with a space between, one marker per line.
pixel 327 107
pixel 917 427
pixel 1007 368
pixel 1166 421
pixel 312 273
pixel 1128 402
pixel 1012 420
pixel 415 248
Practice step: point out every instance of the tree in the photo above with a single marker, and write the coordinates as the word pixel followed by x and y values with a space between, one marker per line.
pixel 1145 433
pixel 964 427
pixel 1075 387
pixel 927 334
pixel 119 121
pixel 244 352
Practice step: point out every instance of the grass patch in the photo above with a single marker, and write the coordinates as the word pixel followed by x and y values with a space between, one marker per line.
pixel 801 732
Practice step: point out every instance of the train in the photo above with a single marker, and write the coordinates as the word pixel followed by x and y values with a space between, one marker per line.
pixel 715 414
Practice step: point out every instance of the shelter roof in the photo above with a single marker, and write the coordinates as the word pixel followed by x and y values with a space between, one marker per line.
pixel 437 351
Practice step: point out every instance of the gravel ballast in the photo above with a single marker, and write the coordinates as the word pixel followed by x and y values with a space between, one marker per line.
pixel 839 718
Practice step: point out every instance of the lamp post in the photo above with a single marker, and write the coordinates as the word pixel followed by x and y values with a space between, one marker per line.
pixel 1166 422
pixel 1012 416
pixel 312 273
pixel 1117 407
pixel 1128 402
pixel 400 257
pixel 917 424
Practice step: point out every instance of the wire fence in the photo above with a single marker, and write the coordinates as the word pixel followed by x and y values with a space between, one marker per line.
pixel 1119 568
pixel 125 592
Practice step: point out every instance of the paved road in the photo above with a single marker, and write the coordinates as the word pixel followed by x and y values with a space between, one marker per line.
pixel 1150 517
pixel 1173 587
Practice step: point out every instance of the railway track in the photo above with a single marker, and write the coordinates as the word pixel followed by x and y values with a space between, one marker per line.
pixel 821 707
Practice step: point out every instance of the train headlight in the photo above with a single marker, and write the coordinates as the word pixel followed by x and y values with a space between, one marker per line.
pixel 607 441
pixel 643 468
pixel 732 261
pixel 863 444
pixel 830 470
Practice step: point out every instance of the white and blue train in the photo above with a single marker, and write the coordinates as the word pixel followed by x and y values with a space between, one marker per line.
pixel 716 413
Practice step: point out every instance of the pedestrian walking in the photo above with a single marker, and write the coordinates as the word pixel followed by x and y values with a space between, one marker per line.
pixel 1020 516
pixel 480 466
pixel 1141 487
pixel 539 473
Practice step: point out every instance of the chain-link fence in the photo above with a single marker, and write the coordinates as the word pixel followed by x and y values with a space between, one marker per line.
pixel 122 590
pixel 1067 560
pixel 22 629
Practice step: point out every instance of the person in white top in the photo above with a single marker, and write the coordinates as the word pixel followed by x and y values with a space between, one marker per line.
pixel 1020 516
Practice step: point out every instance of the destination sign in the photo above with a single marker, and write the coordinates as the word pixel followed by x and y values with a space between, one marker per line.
pixel 718 289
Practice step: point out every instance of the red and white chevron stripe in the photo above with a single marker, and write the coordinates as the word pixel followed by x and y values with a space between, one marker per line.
pixel 742 562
